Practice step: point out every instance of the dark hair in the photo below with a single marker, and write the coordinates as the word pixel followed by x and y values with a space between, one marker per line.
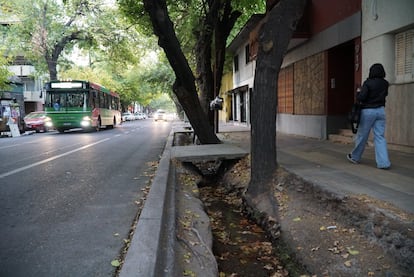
pixel 376 71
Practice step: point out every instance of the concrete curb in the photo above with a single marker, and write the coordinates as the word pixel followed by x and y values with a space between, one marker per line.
pixel 150 238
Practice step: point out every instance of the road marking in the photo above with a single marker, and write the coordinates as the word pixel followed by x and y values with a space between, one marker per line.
pixel 17 170
pixel 18 144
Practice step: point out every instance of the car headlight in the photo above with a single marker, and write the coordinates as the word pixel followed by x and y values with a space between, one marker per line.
pixel 48 122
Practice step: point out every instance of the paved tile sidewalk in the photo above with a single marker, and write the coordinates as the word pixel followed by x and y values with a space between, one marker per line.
pixel 325 163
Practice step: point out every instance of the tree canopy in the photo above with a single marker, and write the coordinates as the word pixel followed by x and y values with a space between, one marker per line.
pixel 117 50
pixel 45 32
pixel 193 34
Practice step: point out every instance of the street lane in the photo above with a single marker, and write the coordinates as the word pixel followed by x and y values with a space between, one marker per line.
pixel 67 200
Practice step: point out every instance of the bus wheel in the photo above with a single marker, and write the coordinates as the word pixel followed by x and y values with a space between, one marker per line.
pixel 60 130
pixel 98 124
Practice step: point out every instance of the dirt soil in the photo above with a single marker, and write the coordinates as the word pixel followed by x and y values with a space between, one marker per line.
pixel 314 233
pixel 356 236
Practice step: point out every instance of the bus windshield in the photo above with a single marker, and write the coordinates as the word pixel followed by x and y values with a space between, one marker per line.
pixel 61 100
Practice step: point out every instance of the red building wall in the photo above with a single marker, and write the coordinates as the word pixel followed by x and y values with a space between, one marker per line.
pixel 325 13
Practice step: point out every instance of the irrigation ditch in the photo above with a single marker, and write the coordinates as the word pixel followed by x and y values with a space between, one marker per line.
pixel 318 234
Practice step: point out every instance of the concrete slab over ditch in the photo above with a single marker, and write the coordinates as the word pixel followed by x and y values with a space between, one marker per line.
pixel 208 152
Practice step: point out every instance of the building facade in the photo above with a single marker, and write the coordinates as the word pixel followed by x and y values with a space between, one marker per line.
pixel 32 85
pixel 328 59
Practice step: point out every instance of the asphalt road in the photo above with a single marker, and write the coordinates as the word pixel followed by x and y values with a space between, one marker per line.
pixel 67 201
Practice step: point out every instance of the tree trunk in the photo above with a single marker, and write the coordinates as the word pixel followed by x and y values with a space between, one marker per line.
pixel 204 68
pixel 51 65
pixel 218 22
pixel 222 31
pixel 184 86
pixel 51 59
pixel 274 36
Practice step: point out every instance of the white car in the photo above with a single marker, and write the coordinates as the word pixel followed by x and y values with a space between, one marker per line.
pixel 140 116
pixel 160 115
pixel 127 116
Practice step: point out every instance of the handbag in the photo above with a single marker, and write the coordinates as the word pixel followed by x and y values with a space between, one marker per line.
pixel 354 116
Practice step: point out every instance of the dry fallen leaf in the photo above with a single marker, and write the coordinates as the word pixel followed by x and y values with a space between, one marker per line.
pixel 348 263
pixel 352 251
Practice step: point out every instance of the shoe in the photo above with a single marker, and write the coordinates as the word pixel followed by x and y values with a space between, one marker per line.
pixel 349 157
pixel 385 168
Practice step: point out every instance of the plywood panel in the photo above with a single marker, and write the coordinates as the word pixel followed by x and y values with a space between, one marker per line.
pixel 309 86
pixel 285 90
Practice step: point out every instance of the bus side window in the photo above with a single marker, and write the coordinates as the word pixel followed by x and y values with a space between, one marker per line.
pixel 91 100
pixel 95 99
pixel 101 100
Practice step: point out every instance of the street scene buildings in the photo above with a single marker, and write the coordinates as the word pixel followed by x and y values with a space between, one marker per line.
pixel 327 60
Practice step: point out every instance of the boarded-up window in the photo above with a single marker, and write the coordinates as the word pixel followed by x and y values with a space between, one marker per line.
pixel 285 90
pixel 309 86
pixel 404 56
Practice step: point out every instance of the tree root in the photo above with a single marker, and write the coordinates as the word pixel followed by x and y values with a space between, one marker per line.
pixel 263 209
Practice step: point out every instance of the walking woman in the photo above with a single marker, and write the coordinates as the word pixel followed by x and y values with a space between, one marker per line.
pixel 372 97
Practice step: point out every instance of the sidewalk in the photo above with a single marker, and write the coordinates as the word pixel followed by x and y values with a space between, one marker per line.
pixel 324 163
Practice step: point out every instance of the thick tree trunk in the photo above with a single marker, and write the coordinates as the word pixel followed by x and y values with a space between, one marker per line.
pixel 274 37
pixel 51 65
pixel 184 86
pixel 204 69
pixel 219 22
pixel 51 59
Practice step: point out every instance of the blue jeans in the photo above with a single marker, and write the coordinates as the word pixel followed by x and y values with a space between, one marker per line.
pixel 372 119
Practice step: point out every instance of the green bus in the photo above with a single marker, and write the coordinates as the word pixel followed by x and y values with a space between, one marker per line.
pixel 80 104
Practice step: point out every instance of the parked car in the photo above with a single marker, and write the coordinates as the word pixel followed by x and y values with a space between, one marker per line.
pixel 142 115
pixel 160 115
pixel 127 116
pixel 36 121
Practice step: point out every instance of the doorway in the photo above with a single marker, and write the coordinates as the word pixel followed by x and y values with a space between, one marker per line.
pixel 341 81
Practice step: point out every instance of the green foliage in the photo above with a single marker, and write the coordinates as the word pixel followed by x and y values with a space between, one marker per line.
pixel 187 16
pixel 38 28
pixel 134 12
pixel 46 32
pixel 99 76
pixel 147 82
pixel 247 9
pixel 163 102
pixel 4 72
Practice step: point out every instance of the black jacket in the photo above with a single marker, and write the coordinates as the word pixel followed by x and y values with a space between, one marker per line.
pixel 373 93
